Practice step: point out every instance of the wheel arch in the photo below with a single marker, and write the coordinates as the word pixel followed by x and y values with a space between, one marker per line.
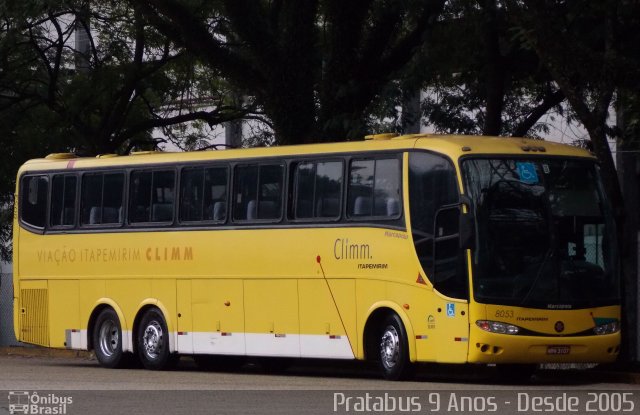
pixel 375 315
pixel 148 304
pixel 102 304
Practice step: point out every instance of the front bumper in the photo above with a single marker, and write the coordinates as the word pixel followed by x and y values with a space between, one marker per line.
pixel 485 347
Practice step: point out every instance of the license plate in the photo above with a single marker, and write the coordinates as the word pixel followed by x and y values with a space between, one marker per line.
pixel 558 349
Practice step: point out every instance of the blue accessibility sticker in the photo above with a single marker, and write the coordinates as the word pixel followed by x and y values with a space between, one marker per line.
pixel 451 309
pixel 527 172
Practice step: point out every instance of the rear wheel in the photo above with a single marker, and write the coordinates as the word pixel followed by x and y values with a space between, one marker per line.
pixel 153 342
pixel 393 349
pixel 107 340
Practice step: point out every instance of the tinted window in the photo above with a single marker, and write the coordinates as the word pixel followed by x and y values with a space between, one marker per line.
pixel 63 200
pixel 432 184
pixel 258 192
pixel 152 196
pixel 318 190
pixel 33 203
pixel 203 194
pixel 433 187
pixel 545 234
pixel 374 188
pixel 112 199
pixel 101 201
pixel 305 190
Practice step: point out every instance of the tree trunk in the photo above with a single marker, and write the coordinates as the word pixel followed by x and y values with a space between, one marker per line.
pixel 494 71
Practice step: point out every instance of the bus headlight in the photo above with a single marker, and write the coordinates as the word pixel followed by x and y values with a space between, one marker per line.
pixel 497 327
pixel 607 328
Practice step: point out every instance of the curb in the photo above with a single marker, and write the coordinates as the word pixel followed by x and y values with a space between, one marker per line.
pixel 36 351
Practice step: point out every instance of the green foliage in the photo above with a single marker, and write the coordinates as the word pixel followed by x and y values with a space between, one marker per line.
pixel 480 78
pixel 108 98
pixel 315 67
pixel 590 50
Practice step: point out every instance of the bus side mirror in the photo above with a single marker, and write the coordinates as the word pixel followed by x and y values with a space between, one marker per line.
pixel 467 227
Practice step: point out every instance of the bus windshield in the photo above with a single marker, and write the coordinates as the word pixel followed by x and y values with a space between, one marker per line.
pixel 545 235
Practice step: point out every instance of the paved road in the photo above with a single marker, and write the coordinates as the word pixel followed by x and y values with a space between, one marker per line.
pixel 309 387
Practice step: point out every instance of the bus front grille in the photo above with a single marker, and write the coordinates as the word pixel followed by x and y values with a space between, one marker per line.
pixel 34 318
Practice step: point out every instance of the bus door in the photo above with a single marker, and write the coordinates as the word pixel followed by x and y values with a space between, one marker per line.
pixel 435 207
pixel 450 279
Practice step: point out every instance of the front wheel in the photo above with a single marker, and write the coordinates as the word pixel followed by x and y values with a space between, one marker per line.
pixel 153 342
pixel 393 350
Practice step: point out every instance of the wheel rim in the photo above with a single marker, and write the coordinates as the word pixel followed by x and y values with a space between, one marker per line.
pixel 109 338
pixel 152 339
pixel 390 347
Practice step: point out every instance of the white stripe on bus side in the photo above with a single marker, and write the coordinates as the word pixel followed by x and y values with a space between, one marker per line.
pixel 250 344
pixel 266 344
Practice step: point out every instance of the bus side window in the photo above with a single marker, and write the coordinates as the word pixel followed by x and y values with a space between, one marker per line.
pixel 318 190
pixel 112 198
pixel 374 189
pixel 33 206
pixel 203 194
pixel 270 196
pixel 101 199
pixel 63 200
pixel 245 190
pixel 305 190
pixel 152 196
pixel 258 192
pixel 215 194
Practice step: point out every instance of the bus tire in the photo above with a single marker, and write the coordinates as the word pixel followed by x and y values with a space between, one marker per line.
pixel 107 340
pixel 153 342
pixel 393 349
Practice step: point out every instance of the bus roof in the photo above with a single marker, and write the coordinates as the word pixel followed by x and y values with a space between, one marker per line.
pixel 453 146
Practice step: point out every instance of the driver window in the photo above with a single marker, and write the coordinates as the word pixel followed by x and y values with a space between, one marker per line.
pixel 434 222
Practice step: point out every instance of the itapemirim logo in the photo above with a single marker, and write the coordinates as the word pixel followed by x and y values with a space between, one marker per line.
pixel 33 403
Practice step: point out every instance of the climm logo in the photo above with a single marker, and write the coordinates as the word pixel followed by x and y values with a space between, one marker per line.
pixel 173 253
pixel 343 249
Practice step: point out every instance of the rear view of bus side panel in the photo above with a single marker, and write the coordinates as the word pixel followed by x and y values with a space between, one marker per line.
pixel 33 313
pixel 64 313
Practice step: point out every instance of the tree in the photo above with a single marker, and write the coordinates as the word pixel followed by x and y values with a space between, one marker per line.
pixel 133 81
pixel 575 41
pixel 315 67
pixel 482 79
pixel 129 82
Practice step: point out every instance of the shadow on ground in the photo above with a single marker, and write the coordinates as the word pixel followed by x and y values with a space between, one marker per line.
pixel 441 373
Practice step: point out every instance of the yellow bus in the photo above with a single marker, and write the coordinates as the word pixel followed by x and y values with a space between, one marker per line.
pixel 419 248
